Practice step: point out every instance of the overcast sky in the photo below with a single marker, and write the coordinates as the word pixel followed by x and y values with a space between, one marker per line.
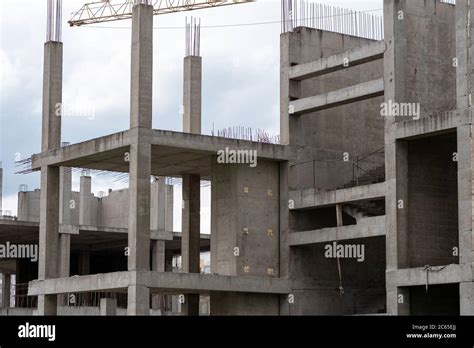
pixel 240 78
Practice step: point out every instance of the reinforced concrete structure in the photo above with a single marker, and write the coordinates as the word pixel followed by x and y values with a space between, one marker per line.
pixel 364 208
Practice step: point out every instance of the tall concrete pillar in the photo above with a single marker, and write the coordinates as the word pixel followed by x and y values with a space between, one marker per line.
pixel 142 67
pixel 290 54
pixel 158 222
pixel 51 139
pixel 140 155
pixel 191 218
pixel 48 236
pixel 158 208
pixel 6 287
pixel 191 225
pixel 65 188
pixel 85 206
pixel 284 216
pixel 65 191
pixel 465 63
pixel 192 94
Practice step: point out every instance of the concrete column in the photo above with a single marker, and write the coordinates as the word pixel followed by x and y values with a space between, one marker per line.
pixel 466 298
pixel 85 206
pixel 139 224
pixel 64 254
pixel 142 67
pixel 108 306
pixel 465 178
pixel 65 193
pixel 290 53
pixel 158 265
pixel 140 155
pixel 464 15
pixel 6 288
pixel 192 94
pixel 284 231
pixel 169 208
pixel 52 95
pixel 64 262
pixel 50 139
pixel 48 236
pixel 191 218
pixel 191 226
pixel 158 256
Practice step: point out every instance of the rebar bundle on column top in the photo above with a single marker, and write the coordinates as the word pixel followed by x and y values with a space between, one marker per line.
pixel 307 13
pixel 54 27
pixel 193 37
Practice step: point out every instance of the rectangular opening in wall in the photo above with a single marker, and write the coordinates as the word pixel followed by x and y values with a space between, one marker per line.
pixel 317 278
pixel 432 236
pixel 436 300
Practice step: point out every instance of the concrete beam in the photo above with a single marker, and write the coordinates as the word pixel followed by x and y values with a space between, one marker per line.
pixel 109 152
pixel 307 198
pixel 369 227
pixel 210 145
pixel 161 281
pixel 354 57
pixel 363 91
pixel 107 146
pixel 85 283
pixel 154 234
pixel 205 283
pixel 427 126
pixel 417 276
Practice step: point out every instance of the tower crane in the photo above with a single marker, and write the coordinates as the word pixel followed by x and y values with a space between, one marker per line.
pixel 109 10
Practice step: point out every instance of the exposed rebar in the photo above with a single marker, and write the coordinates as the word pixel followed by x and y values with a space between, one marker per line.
pixel 54 25
pixel 307 13
pixel 193 37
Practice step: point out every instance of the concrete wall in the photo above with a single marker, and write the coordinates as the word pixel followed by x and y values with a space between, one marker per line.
pixel 422 45
pixel 114 209
pixel 356 128
pixel 249 221
pixel 28 205
pixel 108 211
pixel 245 215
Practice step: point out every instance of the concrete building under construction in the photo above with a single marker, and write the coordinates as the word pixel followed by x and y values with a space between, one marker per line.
pixel 364 207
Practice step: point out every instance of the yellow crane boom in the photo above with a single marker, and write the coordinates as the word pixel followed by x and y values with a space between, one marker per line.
pixel 107 11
